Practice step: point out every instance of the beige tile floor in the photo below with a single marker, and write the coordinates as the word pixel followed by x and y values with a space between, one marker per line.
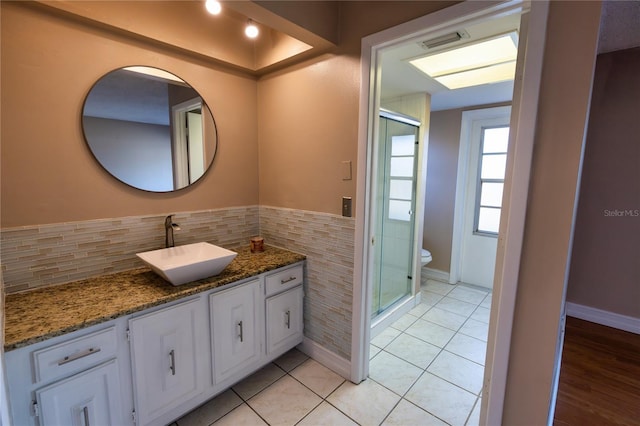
pixel 426 369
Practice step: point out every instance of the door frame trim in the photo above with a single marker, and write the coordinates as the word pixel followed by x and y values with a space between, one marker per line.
pixel 524 115
pixel 180 141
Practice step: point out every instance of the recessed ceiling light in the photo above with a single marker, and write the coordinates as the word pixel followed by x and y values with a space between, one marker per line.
pixel 213 7
pixel 488 61
pixel 251 30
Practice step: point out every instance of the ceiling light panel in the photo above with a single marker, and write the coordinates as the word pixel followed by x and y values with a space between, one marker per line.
pixel 491 74
pixel 484 56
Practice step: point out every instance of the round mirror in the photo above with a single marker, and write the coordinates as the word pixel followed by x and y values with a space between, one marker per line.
pixel 149 129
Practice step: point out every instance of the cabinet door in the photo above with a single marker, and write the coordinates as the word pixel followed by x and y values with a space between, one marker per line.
pixel 167 358
pixel 284 320
pixel 89 398
pixel 236 339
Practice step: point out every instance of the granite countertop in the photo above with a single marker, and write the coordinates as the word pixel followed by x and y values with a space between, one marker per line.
pixel 41 314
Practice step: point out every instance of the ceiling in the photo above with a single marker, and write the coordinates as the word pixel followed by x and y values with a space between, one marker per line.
pixel 400 78
pixel 290 33
pixel 619 29
pixel 619 25
pixel 185 26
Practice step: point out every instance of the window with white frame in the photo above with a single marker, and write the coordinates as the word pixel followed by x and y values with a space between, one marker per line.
pixel 493 164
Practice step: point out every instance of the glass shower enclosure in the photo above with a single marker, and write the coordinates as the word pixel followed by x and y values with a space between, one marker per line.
pixel 395 203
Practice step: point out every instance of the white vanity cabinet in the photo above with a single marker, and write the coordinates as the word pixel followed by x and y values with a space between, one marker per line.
pixel 81 378
pixel 154 366
pixel 284 321
pixel 236 330
pixel 169 350
pixel 284 299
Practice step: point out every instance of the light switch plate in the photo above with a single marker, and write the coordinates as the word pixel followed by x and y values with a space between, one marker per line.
pixel 346 206
pixel 346 170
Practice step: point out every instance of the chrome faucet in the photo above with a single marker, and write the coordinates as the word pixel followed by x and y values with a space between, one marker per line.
pixel 169 227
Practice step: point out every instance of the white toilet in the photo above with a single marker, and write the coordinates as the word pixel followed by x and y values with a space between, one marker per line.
pixel 426 257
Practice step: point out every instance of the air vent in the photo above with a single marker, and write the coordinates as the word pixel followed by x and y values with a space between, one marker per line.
pixel 444 39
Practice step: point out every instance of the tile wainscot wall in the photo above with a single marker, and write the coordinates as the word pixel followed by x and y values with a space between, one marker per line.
pixel 328 242
pixel 45 255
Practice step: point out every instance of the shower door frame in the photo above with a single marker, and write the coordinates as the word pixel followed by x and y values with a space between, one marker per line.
pixel 415 200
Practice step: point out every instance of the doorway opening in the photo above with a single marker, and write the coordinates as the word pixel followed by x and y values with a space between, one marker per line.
pixel 188 147
pixel 512 214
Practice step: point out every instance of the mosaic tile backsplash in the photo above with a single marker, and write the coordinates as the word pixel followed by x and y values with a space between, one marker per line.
pixel 43 255
pixel 328 242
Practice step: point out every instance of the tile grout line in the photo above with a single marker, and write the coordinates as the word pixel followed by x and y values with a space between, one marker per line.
pixel 287 373
pixel 402 397
pixel 381 349
pixel 442 349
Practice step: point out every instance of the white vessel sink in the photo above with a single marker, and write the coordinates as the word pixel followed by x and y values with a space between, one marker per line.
pixel 191 262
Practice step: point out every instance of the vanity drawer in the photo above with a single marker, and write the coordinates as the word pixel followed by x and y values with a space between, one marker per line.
pixel 74 355
pixel 284 280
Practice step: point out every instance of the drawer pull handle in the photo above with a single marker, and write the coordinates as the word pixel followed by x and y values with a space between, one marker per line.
pixel 284 281
pixel 85 412
pixel 172 360
pixel 287 320
pixel 241 332
pixel 79 355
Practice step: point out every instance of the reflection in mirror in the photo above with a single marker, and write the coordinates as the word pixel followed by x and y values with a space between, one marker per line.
pixel 149 129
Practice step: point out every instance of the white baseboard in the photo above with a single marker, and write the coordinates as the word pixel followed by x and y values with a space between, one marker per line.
pixel 325 357
pixel 598 316
pixel 436 274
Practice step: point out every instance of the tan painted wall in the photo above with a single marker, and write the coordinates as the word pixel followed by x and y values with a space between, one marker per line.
pixel 560 131
pixel 309 114
pixel 307 127
pixel 308 121
pixel 49 175
pixel 605 273
pixel 440 191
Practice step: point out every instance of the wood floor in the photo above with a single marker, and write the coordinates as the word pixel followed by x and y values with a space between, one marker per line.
pixel 599 376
